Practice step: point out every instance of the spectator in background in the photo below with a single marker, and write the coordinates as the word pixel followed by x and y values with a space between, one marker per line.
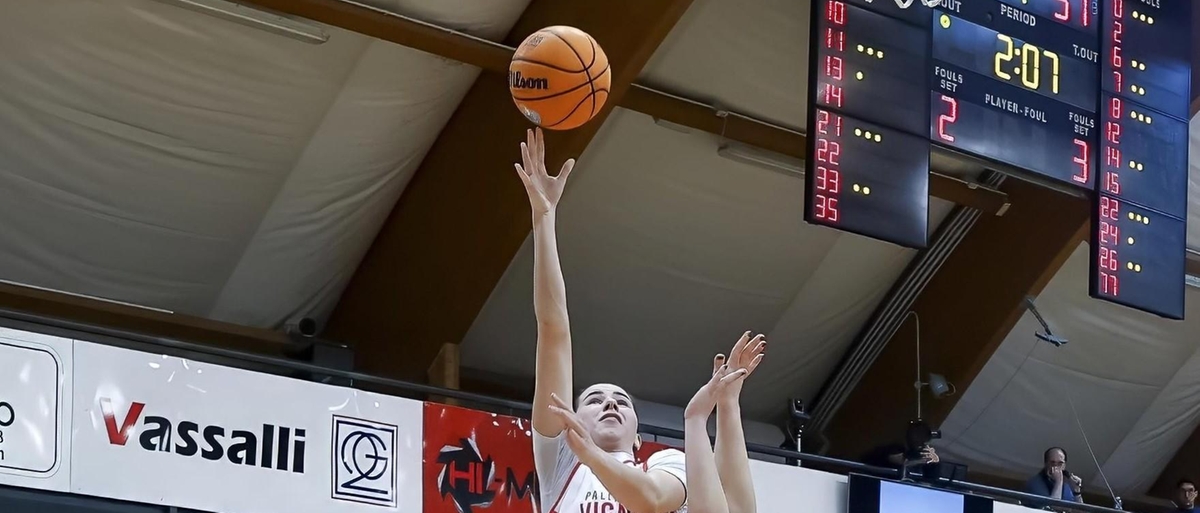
pixel 915 453
pixel 1185 495
pixel 895 455
pixel 1054 481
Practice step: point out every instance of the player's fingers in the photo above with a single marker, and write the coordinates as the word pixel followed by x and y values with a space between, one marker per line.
pixel 718 361
pixel 539 144
pixel 523 174
pixel 525 157
pixel 569 420
pixel 566 169
pixel 733 376
pixel 754 363
pixel 576 439
pixel 757 346
pixel 555 399
pixel 735 354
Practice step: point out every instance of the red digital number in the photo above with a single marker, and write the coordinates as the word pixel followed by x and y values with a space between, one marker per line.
pixel 826 208
pixel 1112 156
pixel 1084 12
pixel 1112 132
pixel 829 180
pixel 1110 233
pixel 1117 80
pixel 1114 108
pixel 835 12
pixel 823 118
pixel 1082 159
pixel 828 151
pixel 835 39
pixel 1109 208
pixel 1066 11
pixel 946 119
pixel 833 67
pixel 1108 259
pixel 833 95
pixel 1108 284
pixel 1111 185
pixel 1118 9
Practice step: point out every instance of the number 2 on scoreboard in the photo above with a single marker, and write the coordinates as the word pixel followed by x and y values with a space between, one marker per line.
pixel 946 119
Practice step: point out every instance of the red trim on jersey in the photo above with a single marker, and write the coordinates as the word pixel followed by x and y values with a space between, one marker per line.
pixel 566 484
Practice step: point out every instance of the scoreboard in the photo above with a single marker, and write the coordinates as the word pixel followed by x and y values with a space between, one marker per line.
pixel 1092 95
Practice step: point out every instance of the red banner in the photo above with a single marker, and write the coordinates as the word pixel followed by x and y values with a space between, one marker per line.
pixel 478 462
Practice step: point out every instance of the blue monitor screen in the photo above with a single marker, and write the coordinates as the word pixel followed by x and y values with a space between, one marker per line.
pixel 872 495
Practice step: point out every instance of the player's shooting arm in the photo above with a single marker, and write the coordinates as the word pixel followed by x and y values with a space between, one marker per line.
pixel 656 491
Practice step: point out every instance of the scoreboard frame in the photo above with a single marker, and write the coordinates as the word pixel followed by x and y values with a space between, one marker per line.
pixel 1000 133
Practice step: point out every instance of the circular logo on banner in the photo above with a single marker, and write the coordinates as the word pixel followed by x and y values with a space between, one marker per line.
pixel 7 414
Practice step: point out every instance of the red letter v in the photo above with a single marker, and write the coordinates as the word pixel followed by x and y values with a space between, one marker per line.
pixel 119 436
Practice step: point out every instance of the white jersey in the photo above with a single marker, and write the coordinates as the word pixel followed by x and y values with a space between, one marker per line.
pixel 567 486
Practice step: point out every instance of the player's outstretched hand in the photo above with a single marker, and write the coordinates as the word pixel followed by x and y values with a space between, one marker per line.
pixel 544 190
pixel 746 354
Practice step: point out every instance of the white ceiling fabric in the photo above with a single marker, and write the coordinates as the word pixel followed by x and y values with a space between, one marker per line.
pixel 670 252
pixel 158 156
pixel 1134 379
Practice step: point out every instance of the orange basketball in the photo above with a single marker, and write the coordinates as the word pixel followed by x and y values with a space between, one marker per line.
pixel 559 77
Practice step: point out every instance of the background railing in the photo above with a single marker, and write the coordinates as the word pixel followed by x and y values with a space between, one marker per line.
pixel 280 365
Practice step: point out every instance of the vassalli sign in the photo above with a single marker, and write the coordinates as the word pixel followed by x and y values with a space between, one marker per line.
pixel 276 447
pixel 223 439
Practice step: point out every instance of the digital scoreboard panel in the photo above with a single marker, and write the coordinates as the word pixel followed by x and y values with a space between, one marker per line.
pixel 1139 227
pixel 867 170
pixel 1090 94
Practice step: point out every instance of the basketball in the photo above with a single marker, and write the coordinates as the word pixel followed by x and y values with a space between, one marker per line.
pixel 559 77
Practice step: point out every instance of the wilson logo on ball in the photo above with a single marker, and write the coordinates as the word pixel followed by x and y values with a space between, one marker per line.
pixel 518 81
pixel 533 41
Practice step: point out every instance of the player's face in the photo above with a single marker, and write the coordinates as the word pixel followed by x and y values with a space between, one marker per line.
pixel 606 411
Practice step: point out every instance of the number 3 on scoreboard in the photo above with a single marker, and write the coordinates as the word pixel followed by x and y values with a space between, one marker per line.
pixel 1082 160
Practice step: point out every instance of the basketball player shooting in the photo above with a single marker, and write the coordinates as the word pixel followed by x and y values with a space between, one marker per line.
pixel 584 457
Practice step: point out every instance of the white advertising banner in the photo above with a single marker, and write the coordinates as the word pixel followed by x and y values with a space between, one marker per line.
pixel 165 430
pixel 35 410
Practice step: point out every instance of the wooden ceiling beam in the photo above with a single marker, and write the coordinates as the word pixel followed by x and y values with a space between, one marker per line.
pixel 495 57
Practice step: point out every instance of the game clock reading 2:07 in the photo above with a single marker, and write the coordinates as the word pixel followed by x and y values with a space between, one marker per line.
pixel 1088 94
